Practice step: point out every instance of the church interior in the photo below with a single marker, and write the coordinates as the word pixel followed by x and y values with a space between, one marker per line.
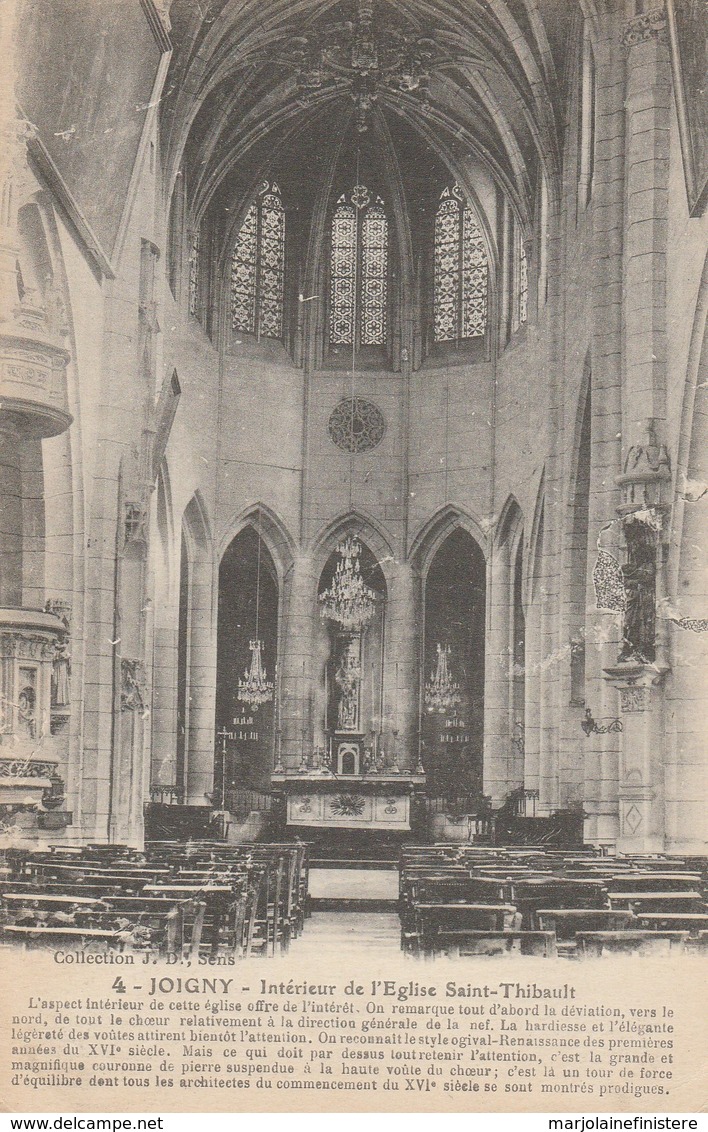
pixel 353 426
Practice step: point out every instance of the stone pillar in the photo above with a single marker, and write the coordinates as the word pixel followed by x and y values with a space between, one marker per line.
pixel 401 693
pixel 201 686
pixel 641 665
pixel 296 676
pixel 648 102
pixel 598 753
pixel 10 516
pixel 503 766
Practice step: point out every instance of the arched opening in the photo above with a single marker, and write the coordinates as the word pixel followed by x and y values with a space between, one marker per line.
pixel 452 723
pixel 247 655
pixel 352 656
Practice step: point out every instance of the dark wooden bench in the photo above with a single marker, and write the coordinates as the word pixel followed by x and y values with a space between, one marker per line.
pixel 456 944
pixel 597 944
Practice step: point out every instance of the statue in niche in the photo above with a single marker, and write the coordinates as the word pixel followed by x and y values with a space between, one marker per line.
pixel 347 678
pixel 132 677
pixel 61 672
pixel 639 575
pixel 26 716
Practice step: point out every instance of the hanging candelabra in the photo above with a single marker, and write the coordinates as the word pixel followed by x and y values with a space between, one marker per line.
pixel 441 692
pixel 348 601
pixel 255 688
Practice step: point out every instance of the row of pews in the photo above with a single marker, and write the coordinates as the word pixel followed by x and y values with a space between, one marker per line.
pixel 172 899
pixel 477 900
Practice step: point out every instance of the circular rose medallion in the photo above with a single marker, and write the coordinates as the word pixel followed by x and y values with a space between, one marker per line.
pixel 356 425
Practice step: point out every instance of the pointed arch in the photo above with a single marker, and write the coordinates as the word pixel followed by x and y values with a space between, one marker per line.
pixel 271 528
pixel 196 521
pixel 510 524
pixel 434 532
pixel 366 529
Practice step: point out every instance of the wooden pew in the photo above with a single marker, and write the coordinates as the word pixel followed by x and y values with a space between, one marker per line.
pixel 596 944
pixel 427 921
pixel 458 944
pixel 640 902
pixel 567 922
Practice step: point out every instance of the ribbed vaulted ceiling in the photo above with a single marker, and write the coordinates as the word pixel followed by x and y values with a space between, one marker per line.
pixel 232 109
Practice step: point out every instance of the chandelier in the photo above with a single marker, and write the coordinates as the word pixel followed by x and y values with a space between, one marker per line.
pixel 441 693
pixel 255 689
pixel 349 601
pixel 365 58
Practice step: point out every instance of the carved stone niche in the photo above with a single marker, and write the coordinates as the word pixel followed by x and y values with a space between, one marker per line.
pixel 29 640
pixel 132 685
pixel 646 479
pixel 135 524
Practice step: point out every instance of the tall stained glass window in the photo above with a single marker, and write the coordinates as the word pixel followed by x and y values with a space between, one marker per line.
pixel 461 271
pixel 258 267
pixel 519 281
pixel 194 273
pixel 359 270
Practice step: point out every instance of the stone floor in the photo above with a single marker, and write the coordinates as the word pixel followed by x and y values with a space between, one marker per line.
pixel 356 935
pixel 354 884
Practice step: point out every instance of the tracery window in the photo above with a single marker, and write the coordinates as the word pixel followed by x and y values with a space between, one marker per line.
pixel 258 266
pixel 194 273
pixel 519 282
pixel 461 270
pixel 359 270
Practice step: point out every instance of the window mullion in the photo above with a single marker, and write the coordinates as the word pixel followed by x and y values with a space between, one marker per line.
pixel 460 274
pixel 358 279
pixel 257 290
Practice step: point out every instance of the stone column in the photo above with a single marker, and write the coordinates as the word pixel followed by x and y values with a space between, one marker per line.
pixel 598 753
pixel 503 766
pixel 10 516
pixel 201 687
pixel 401 692
pixel 296 676
pixel 641 664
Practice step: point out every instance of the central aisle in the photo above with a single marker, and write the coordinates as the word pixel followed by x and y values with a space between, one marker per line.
pixel 349 935
pixel 354 914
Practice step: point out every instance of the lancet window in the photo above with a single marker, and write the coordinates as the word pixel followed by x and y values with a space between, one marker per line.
pixel 461 270
pixel 519 282
pixel 359 270
pixel 194 274
pixel 258 266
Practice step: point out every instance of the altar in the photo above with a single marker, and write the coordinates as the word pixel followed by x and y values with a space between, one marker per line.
pixel 349 801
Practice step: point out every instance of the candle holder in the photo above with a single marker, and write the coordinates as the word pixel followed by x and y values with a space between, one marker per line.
pixel 279 767
pixel 420 769
pixel 395 769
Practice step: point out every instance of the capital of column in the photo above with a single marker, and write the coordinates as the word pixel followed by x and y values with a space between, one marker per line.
pixel 645 27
